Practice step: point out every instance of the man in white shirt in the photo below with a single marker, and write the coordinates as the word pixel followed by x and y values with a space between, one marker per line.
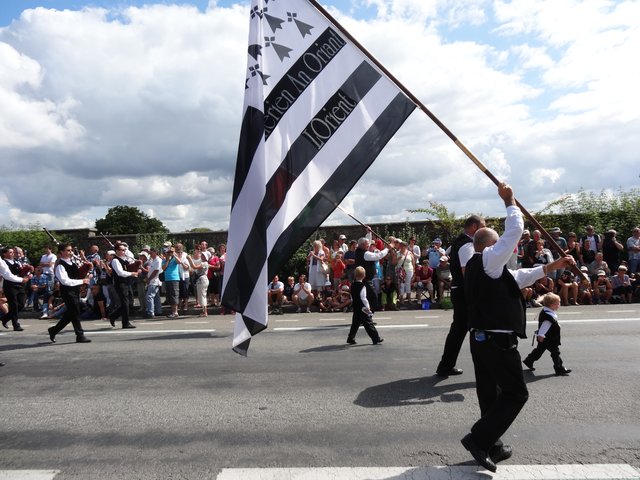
pixel 302 296
pixel 122 287
pixel 633 250
pixel 276 295
pixel 13 286
pixel 497 319
pixel 68 274
pixel 154 305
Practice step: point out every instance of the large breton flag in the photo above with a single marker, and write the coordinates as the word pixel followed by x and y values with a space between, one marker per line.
pixel 317 112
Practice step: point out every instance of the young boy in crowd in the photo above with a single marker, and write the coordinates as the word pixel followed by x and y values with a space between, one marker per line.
pixel 548 335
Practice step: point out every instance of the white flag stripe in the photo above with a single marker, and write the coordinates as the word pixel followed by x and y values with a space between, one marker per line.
pixel 289 128
pixel 257 307
pixel 244 214
pixel 330 157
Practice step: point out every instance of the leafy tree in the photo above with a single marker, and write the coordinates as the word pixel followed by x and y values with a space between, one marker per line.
pixel 30 238
pixel 123 219
pixel 448 223
pixel 604 210
pixel 199 230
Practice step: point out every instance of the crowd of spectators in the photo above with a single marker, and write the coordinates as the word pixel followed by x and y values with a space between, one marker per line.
pixel 408 276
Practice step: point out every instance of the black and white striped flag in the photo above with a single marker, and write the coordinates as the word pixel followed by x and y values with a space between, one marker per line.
pixel 317 112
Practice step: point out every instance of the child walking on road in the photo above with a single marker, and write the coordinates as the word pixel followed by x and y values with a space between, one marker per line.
pixel 362 313
pixel 548 335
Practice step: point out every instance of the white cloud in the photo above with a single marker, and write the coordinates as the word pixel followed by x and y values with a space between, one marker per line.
pixel 141 106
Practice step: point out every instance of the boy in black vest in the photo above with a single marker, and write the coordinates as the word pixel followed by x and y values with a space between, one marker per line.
pixel 362 313
pixel 548 335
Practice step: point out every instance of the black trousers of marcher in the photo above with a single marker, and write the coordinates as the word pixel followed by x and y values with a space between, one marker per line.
pixel 500 386
pixel 358 319
pixel 16 298
pixel 457 332
pixel 71 314
pixel 123 291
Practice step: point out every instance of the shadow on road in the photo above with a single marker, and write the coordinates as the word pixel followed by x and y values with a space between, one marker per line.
pixel 24 346
pixel 334 348
pixel 412 391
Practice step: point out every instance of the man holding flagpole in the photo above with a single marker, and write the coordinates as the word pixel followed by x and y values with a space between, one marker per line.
pixel 496 320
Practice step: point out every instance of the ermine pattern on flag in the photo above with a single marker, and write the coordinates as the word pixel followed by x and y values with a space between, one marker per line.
pixel 317 113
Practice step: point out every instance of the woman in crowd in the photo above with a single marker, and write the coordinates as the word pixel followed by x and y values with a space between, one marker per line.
pixel 199 265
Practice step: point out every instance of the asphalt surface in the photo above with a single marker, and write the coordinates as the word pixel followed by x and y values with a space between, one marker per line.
pixel 171 400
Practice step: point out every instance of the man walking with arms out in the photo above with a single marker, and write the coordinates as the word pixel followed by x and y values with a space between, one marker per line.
pixel 497 320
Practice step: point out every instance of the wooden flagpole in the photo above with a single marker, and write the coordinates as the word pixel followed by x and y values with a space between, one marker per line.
pixel 547 236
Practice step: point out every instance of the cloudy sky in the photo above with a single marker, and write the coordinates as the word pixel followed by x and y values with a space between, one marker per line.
pixel 108 103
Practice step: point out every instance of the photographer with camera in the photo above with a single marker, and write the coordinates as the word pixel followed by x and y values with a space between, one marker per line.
pixel 171 271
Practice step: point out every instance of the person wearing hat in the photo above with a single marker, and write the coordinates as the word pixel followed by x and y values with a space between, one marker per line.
pixel 585 289
pixel 342 245
pixel 621 284
pixel 522 244
pixel 443 272
pixel 122 287
pixel 461 252
pixel 556 233
pixel 69 276
pixel 602 289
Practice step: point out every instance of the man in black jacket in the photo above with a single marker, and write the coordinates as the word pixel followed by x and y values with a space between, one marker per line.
pixel 497 320
pixel 461 252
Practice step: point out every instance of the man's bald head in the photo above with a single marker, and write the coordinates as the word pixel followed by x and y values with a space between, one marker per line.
pixel 483 238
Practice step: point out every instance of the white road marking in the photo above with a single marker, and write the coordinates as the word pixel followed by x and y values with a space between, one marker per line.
pixel 428 316
pixel 621 311
pixel 28 474
pixel 505 472
pixel 143 332
pixel 196 323
pixel 300 329
pixel 287 320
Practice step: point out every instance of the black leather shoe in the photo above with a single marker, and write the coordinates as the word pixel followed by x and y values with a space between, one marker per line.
pixel 379 341
pixel 83 339
pixel 529 364
pixel 480 456
pixel 500 453
pixel 128 325
pixel 351 341
pixel 1 364
pixel 18 329
pixel 563 372
pixel 112 321
pixel 5 324
pixel 52 335
pixel 448 373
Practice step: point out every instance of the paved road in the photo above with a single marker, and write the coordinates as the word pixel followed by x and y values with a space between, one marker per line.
pixel 170 399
